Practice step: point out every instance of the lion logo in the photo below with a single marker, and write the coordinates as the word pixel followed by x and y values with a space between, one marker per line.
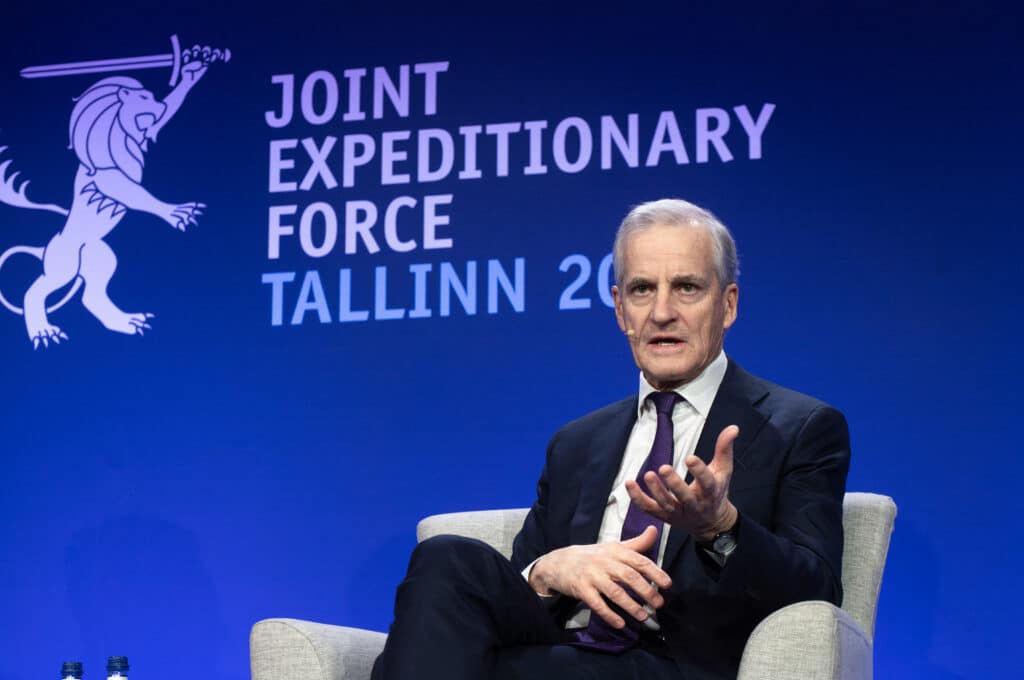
pixel 111 126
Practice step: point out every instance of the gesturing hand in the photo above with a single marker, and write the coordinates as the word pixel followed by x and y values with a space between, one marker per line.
pixel 702 507
pixel 590 573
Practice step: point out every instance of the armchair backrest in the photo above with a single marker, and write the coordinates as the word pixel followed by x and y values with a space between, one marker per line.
pixel 496 528
pixel 867 525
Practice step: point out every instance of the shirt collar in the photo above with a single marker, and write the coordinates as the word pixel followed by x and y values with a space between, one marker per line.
pixel 699 392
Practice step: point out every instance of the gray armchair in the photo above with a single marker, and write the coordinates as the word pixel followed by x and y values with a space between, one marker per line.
pixel 805 641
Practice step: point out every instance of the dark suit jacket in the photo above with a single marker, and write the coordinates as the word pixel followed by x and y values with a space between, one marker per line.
pixel 791 460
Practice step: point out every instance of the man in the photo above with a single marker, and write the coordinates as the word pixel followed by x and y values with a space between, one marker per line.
pixel 666 525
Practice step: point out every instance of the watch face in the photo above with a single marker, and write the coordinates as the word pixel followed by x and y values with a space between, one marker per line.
pixel 724 543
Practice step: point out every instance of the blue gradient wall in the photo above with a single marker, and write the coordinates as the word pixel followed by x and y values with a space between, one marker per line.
pixel 162 493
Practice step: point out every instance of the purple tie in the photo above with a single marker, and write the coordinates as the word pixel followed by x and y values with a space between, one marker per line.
pixel 598 634
pixel 661 454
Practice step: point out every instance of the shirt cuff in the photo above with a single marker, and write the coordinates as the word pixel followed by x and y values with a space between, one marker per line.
pixel 526 575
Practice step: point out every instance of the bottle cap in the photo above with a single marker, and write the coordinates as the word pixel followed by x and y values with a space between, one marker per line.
pixel 117 664
pixel 71 668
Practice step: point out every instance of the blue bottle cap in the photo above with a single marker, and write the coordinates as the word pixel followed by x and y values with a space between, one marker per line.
pixel 71 668
pixel 117 664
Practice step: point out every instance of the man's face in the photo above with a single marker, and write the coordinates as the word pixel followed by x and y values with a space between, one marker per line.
pixel 672 301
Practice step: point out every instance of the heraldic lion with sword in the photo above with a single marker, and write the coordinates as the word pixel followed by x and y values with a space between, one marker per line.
pixel 112 124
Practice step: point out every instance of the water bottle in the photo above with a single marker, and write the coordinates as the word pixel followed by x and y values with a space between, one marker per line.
pixel 117 668
pixel 71 670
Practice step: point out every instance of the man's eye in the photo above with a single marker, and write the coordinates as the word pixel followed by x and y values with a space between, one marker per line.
pixel 689 287
pixel 640 288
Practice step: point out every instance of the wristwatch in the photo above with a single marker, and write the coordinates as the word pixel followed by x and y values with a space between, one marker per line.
pixel 723 544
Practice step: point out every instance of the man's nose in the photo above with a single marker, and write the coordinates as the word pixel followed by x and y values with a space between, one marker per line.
pixel 663 311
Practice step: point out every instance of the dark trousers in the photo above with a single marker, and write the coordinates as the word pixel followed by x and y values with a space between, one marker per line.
pixel 464 613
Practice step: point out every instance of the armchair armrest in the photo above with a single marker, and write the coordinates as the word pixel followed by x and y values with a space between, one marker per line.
pixel 812 640
pixel 290 649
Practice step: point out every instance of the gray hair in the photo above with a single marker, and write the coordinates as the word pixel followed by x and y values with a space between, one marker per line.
pixel 677 212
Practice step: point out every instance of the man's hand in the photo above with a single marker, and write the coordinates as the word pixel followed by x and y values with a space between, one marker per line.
pixel 701 508
pixel 588 572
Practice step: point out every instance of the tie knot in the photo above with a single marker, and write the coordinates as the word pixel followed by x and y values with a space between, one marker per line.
pixel 664 402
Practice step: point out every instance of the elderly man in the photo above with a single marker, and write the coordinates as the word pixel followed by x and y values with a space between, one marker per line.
pixel 666 525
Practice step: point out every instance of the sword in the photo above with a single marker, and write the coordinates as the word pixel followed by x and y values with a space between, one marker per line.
pixel 175 60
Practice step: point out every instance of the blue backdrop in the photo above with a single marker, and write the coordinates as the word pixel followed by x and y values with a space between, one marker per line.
pixel 253 457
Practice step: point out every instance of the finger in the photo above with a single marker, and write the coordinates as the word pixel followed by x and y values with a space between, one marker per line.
pixel 649 570
pixel 665 498
pixel 722 461
pixel 624 600
pixel 639 562
pixel 643 501
pixel 641 586
pixel 652 572
pixel 592 598
pixel 702 474
pixel 676 484
pixel 642 543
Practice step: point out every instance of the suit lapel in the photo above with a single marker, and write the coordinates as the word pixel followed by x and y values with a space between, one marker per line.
pixel 733 405
pixel 604 457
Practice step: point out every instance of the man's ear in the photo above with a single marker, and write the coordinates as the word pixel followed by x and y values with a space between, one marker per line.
pixel 731 300
pixel 619 315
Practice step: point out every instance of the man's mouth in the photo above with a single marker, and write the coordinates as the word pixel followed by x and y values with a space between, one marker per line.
pixel 665 341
